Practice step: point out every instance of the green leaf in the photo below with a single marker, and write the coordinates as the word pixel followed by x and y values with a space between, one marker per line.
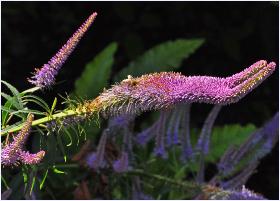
pixel 57 171
pixel 6 96
pixel 61 146
pixel 37 100
pixel 14 101
pixel 53 105
pixel 32 185
pixel 96 73
pixel 44 179
pixel 31 90
pixel 4 182
pixel 223 137
pixel 163 57
pixel 10 111
pixel 25 177
pixel 14 92
pixel 20 123
pixel 69 136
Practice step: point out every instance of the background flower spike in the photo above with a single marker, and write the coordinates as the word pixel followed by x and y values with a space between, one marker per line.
pixel 45 77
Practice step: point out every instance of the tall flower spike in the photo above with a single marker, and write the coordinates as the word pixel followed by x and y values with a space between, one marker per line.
pixel 45 77
pixel 264 139
pixel 159 149
pixel 147 134
pixel 244 194
pixel 240 179
pixel 28 158
pixel 13 153
pixel 163 90
pixel 175 137
pixel 204 138
pixel 96 160
pixel 170 128
pixel 187 151
pixel 122 164
pixel 215 193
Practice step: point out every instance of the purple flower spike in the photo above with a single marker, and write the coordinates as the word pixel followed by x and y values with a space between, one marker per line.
pixel 187 151
pixel 170 129
pixel 164 90
pixel 204 139
pixel 96 160
pixel 13 153
pixel 146 135
pixel 121 121
pixel 176 126
pixel 28 158
pixel 122 164
pixel 263 139
pixel 245 194
pixel 45 77
pixel 159 150
pixel 240 179
pixel 10 154
pixel 214 193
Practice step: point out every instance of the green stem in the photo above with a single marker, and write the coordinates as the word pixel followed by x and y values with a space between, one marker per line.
pixel 187 185
pixel 70 165
pixel 4 182
pixel 41 121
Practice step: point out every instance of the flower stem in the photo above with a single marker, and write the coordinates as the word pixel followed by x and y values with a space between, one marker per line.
pixel 188 186
pixel 70 165
pixel 41 121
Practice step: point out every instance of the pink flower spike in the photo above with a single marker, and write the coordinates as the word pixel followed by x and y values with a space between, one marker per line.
pixel 10 154
pixel 45 77
pixel 166 89
pixel 31 159
pixel 13 153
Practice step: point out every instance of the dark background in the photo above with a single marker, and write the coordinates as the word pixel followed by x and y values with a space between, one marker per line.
pixel 237 34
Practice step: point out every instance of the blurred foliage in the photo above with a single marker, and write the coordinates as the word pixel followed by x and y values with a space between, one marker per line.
pixel 96 74
pixel 224 137
pixel 163 57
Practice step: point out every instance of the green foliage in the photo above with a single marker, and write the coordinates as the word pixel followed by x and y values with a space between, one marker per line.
pixel 96 73
pixel 221 138
pixel 163 57
pixel 224 137
pixel 13 101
